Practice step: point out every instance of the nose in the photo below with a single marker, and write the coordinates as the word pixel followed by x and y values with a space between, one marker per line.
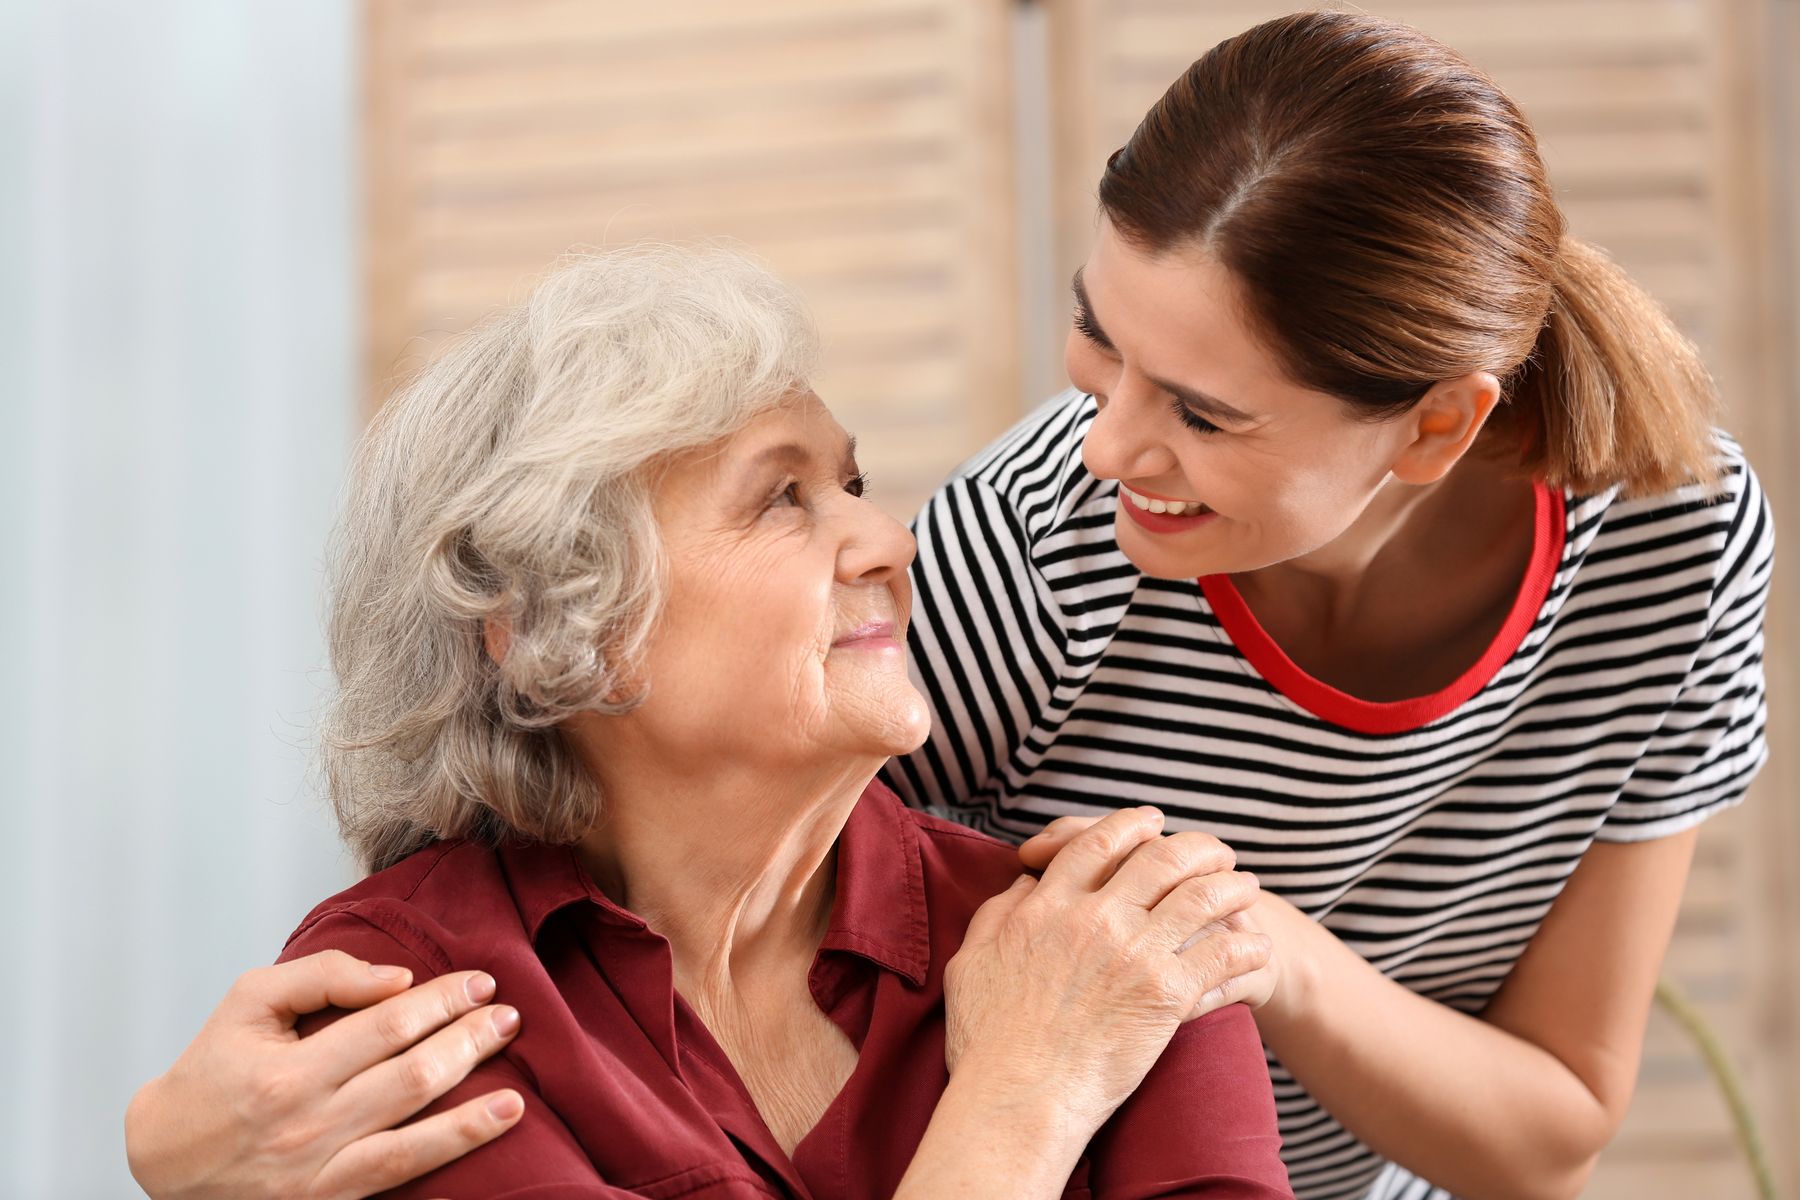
pixel 876 548
pixel 1123 441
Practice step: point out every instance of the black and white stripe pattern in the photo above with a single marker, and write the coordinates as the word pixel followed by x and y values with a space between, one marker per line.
pixel 1063 681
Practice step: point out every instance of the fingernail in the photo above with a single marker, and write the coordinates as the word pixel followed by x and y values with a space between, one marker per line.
pixel 480 987
pixel 505 1106
pixel 506 1021
pixel 384 972
pixel 1254 881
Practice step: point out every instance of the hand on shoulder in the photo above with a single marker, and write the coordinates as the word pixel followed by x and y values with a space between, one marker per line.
pixel 254 1109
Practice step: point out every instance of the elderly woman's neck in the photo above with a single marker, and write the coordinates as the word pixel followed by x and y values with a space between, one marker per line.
pixel 735 867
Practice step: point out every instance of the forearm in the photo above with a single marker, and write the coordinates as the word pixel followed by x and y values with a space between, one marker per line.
pixel 1452 1098
pixel 991 1141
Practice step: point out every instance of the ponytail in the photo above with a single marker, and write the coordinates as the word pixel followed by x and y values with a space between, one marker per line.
pixel 1613 394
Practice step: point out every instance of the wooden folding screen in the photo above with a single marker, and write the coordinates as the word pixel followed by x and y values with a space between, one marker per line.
pixel 1647 113
pixel 860 146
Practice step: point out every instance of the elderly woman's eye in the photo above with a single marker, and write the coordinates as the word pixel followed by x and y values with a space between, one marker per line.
pixel 788 495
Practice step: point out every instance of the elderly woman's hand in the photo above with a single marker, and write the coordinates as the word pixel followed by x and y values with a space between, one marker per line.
pixel 1257 986
pixel 1077 981
pixel 252 1109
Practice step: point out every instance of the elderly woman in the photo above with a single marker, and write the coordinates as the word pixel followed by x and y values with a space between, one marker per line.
pixel 621 648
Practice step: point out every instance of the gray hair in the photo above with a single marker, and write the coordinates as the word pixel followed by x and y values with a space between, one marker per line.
pixel 511 480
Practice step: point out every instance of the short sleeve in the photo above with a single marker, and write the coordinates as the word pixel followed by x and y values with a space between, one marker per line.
pixel 1202 1123
pixel 1711 742
pixel 987 646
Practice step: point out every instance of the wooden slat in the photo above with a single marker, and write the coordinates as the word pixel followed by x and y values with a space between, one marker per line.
pixel 859 146
pixel 486 30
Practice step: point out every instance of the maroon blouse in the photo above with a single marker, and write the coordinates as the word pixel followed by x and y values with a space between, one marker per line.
pixel 626 1094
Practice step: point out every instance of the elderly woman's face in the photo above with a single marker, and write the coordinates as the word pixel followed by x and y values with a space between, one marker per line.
pixel 783 639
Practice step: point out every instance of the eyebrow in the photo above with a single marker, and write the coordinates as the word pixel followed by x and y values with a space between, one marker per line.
pixel 1211 406
pixel 794 452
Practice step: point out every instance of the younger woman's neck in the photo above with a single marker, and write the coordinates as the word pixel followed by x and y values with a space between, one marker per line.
pixel 1407 530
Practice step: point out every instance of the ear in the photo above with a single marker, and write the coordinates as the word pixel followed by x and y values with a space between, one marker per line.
pixel 496 635
pixel 1444 425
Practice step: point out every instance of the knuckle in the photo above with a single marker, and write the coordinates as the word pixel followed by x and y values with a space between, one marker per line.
pixel 472 1123
pixel 256 979
pixel 477 1034
pixel 451 999
pixel 420 1075
pixel 1164 853
pixel 1235 922
pixel 1101 841
pixel 291 1141
pixel 394 1159
pixel 1204 893
pixel 1198 847
pixel 274 1091
pixel 335 958
pixel 1239 953
pixel 396 1025
pixel 1168 991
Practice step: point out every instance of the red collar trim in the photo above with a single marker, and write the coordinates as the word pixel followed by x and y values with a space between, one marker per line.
pixel 1399 716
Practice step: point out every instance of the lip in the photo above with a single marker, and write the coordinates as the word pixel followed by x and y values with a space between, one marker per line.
pixel 1146 492
pixel 870 635
pixel 1162 522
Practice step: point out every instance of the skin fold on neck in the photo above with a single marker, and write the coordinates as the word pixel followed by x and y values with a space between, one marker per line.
pixel 736 867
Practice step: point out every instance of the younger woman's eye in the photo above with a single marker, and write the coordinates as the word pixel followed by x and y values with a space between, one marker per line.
pixel 1193 420
pixel 1084 325
pixel 858 485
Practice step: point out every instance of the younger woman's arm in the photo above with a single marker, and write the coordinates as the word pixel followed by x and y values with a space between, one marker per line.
pixel 1519 1102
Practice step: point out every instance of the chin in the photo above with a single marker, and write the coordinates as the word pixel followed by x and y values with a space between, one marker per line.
pixel 906 724
pixel 912 725
pixel 1163 558
pixel 882 722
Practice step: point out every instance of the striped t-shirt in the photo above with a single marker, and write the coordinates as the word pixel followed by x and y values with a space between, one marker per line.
pixel 1622 701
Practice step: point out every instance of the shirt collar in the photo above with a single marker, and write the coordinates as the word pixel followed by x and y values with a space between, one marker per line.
pixel 878 911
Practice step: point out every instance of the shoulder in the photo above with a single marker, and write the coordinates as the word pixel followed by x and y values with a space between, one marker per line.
pixel 1710 539
pixel 1034 470
pixel 1723 514
pixel 1027 509
pixel 1204 1113
pixel 420 906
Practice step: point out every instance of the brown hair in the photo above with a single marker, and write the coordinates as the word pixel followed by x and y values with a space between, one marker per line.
pixel 1385 209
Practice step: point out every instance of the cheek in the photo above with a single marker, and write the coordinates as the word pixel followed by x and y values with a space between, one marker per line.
pixel 742 638
pixel 1084 365
pixel 1305 509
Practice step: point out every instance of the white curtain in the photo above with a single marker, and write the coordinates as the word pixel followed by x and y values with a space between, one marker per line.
pixel 177 382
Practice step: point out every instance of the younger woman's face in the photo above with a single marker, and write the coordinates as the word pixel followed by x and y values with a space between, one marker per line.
pixel 1195 411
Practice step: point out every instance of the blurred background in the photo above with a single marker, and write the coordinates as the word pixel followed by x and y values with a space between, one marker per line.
pixel 227 227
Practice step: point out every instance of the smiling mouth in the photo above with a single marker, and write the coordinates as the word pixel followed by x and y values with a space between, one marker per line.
pixel 869 633
pixel 1162 505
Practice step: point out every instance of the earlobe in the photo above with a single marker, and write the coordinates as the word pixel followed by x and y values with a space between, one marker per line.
pixel 496 636
pixel 1445 425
